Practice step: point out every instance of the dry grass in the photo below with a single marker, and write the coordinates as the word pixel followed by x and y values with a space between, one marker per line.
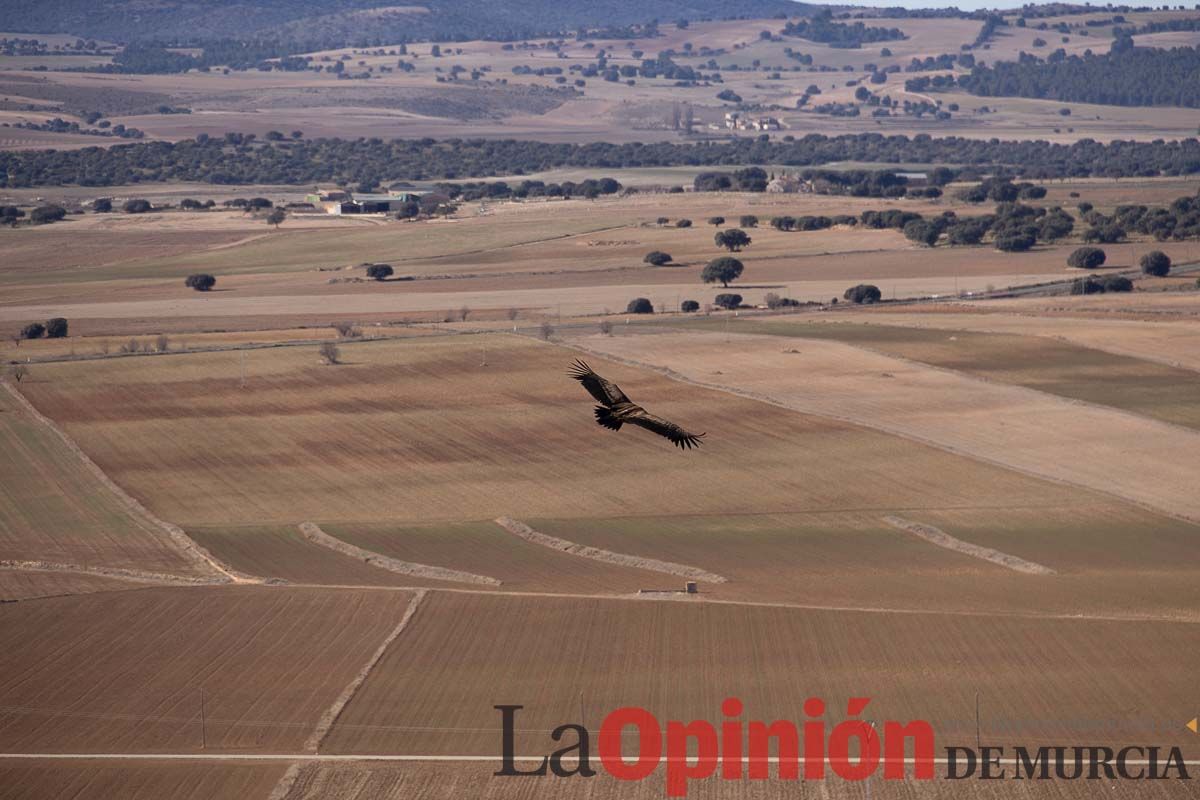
pixel 1039 681
pixel 122 672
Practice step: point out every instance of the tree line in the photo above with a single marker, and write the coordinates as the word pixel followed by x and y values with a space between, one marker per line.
pixel 243 159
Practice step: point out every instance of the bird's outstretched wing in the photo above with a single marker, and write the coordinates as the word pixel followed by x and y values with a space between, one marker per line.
pixel 670 430
pixel 604 391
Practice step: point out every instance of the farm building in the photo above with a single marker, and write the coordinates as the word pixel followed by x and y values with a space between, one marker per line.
pixel 344 202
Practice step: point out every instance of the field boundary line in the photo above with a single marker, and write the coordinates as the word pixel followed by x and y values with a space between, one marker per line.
pixel 866 424
pixel 330 717
pixel 286 781
pixel 313 532
pixel 518 528
pixel 940 538
pixel 177 536
pixel 123 573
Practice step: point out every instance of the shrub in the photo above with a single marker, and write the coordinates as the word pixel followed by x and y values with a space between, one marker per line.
pixel 44 215
pixel 748 221
pixel 688 306
pixel 379 271
pixel 34 330
pixel 137 206
pixel 717 221
pixel 201 282
pixel 56 328
pixel 1156 263
pixel 606 327
pixel 1117 283
pixel 657 258
pixel 102 206
pixel 732 240
pixel 1086 258
pixel 662 220
pixel 1015 243
pixel 639 305
pixel 728 301
pixel 683 223
pixel 723 270
pixel 330 353
pixel 863 293
pixel 922 232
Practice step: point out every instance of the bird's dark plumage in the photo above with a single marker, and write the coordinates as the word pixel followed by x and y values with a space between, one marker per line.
pixel 616 409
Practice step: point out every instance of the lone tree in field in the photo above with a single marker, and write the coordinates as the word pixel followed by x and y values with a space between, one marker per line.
pixel 1086 258
pixel 748 221
pixel 716 221
pixel 34 330
pixel 201 282
pixel 379 272
pixel 688 306
pixel 657 258
pixel 639 305
pixel 276 217
pixel 56 328
pixel 729 302
pixel 330 353
pixel 18 372
pixel 863 293
pixel 1156 263
pixel 732 240
pixel 722 270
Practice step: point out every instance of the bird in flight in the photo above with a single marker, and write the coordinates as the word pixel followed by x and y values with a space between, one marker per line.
pixel 616 409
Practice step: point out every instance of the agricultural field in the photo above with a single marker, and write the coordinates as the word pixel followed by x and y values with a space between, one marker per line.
pixel 129 671
pixel 465 653
pixel 29 779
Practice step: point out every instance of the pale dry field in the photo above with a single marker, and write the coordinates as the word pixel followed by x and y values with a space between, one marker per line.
pixel 421 430
pixel 53 509
pixel 1120 454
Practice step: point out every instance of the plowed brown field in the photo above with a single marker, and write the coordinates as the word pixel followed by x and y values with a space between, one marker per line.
pixel 31 779
pixel 1048 681
pixel 123 672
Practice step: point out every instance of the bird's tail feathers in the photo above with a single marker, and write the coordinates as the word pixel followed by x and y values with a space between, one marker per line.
pixel 605 418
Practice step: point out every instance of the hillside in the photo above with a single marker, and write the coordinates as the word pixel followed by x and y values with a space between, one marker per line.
pixel 361 21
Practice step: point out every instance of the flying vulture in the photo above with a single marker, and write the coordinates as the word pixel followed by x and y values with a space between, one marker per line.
pixel 616 409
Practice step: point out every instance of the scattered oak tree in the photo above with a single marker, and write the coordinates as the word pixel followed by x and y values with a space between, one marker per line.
pixel 639 305
pixel 716 221
pixel 722 270
pixel 379 272
pixel 330 353
pixel 276 217
pixel 728 301
pixel 732 240
pixel 683 223
pixel 657 258
pixel 201 282
pixel 748 221
pixel 1086 258
pixel 34 330
pixel 1156 263
pixel 863 293
pixel 56 328
pixel 688 306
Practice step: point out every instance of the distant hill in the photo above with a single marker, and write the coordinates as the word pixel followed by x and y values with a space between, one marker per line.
pixel 361 22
